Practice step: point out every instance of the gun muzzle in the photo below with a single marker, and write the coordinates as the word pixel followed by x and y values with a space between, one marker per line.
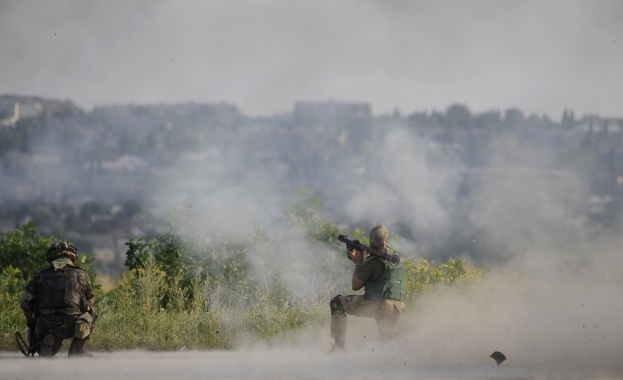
pixel 394 259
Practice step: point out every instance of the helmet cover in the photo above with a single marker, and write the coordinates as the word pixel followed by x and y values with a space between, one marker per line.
pixel 62 248
pixel 379 237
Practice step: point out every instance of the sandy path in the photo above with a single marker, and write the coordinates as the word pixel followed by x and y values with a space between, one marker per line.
pixel 252 364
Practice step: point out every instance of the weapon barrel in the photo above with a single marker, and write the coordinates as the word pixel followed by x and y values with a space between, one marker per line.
pixel 393 259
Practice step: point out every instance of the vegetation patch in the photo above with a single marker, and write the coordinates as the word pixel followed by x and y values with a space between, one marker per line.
pixel 178 293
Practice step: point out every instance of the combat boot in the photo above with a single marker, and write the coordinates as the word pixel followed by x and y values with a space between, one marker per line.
pixel 76 349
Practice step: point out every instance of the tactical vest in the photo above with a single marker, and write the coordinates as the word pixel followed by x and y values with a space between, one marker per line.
pixel 392 284
pixel 61 289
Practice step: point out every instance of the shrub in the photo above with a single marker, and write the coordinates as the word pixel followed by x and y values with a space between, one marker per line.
pixel 25 250
pixel 422 274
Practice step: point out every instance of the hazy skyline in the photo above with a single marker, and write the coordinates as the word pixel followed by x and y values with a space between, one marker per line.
pixel 539 56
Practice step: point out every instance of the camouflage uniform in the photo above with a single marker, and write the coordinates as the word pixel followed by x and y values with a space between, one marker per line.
pixel 60 298
pixel 383 299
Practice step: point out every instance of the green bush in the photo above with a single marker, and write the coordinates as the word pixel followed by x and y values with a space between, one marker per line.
pixel 423 275
pixel 133 316
pixel 11 318
pixel 24 249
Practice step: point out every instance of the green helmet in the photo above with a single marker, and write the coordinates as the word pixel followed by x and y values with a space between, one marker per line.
pixel 62 248
pixel 379 237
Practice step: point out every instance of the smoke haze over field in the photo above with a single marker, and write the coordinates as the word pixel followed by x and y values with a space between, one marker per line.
pixel 539 56
pixel 551 299
pixel 552 305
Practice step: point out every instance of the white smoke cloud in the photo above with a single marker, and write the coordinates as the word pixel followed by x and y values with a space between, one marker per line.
pixel 551 308
pixel 409 180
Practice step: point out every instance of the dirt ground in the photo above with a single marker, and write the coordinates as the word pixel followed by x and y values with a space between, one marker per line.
pixel 547 330
pixel 280 363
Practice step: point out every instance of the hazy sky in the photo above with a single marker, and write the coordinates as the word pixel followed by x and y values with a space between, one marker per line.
pixel 263 56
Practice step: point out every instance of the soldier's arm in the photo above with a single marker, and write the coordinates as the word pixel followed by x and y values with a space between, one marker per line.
pixel 26 303
pixel 356 283
pixel 86 281
pixel 356 256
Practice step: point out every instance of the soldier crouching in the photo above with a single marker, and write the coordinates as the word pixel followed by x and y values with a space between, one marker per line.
pixel 57 303
pixel 385 292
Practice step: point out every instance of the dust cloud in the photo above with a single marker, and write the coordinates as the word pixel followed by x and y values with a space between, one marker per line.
pixel 553 304
pixel 549 299
pixel 546 329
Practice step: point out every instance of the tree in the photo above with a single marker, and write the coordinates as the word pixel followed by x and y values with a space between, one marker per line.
pixel 419 119
pixel 488 120
pixel 568 119
pixel 25 250
pixel 513 118
pixel 458 116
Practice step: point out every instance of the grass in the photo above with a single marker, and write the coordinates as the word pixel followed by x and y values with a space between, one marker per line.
pixel 133 314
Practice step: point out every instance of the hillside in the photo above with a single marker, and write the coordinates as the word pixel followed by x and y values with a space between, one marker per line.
pixel 114 173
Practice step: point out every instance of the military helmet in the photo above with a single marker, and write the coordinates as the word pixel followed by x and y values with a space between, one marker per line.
pixel 379 237
pixel 62 248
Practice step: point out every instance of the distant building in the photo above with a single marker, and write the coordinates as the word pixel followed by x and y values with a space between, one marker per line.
pixel 600 124
pixel 330 111
pixel 217 112
pixel 22 111
pixel 15 108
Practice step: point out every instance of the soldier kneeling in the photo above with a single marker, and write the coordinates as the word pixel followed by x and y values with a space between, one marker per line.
pixel 385 291
pixel 57 303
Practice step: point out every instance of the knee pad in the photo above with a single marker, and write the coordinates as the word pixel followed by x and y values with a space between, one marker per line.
pixel 336 305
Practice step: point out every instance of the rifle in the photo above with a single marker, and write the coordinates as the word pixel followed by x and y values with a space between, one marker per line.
pixel 29 349
pixel 393 259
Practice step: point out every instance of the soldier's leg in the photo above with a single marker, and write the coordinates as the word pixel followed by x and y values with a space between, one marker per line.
pixel 389 319
pixel 58 343
pixel 359 306
pixel 44 345
pixel 52 329
pixel 82 332
pixel 47 343
pixel 348 305
pixel 77 347
pixel 338 321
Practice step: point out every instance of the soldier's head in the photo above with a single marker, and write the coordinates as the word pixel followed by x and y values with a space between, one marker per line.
pixel 379 237
pixel 62 248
